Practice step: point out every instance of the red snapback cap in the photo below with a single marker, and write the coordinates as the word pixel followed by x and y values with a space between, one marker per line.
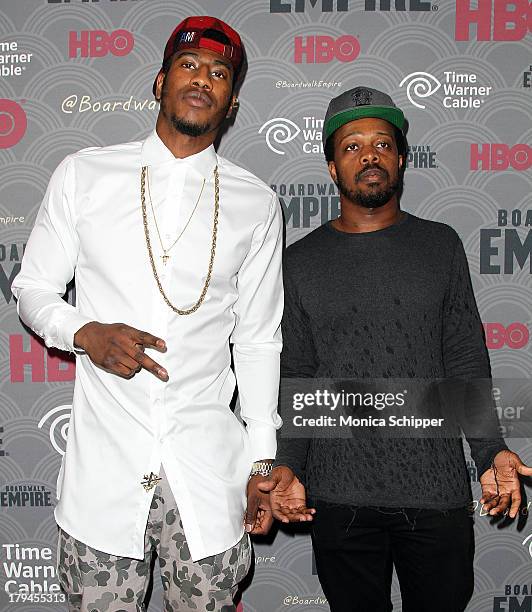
pixel 205 33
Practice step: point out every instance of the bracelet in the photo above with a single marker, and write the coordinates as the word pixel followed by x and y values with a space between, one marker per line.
pixel 263 468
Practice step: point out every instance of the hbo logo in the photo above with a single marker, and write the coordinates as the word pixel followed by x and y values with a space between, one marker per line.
pixel 97 43
pixel 514 336
pixel 500 156
pixel 323 49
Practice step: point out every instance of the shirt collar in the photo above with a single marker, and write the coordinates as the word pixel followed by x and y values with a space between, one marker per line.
pixel 155 152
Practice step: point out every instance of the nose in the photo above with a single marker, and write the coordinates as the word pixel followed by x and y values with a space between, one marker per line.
pixel 369 155
pixel 202 77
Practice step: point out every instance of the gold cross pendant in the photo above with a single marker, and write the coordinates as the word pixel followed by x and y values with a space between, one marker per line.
pixel 150 480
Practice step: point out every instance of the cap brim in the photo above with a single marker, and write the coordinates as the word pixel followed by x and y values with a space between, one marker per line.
pixel 391 114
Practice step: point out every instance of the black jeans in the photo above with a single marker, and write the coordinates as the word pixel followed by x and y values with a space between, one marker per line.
pixel 356 548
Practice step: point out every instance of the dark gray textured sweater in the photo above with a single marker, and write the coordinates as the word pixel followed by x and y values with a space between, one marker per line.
pixel 395 303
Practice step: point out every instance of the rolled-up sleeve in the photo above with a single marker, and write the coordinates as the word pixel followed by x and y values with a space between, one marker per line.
pixel 49 262
pixel 257 334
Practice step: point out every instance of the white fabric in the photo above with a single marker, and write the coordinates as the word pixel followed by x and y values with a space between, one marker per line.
pixel 90 225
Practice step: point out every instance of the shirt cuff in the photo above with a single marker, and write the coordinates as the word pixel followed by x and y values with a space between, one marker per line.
pixel 263 441
pixel 73 322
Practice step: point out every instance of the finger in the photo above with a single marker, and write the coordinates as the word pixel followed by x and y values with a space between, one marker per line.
pixel 297 505
pixel 122 370
pixel 297 517
pixel 524 470
pixel 147 339
pixel 269 484
pixel 488 496
pixel 138 367
pixel 516 504
pixel 129 362
pixel 263 523
pixel 301 509
pixel 490 503
pixel 277 514
pixel 284 480
pixel 296 512
pixel 502 506
pixel 251 512
pixel 148 363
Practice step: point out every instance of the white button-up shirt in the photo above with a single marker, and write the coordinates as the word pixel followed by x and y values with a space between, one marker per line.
pixel 90 224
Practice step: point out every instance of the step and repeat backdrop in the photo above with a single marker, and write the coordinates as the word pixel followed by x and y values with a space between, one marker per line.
pixel 78 73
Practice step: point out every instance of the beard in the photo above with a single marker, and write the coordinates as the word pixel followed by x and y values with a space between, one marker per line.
pixel 375 196
pixel 188 128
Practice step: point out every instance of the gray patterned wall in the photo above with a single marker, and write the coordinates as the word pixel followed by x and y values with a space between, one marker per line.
pixel 469 166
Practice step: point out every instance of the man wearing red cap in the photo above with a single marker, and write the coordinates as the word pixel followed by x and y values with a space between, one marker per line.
pixel 177 254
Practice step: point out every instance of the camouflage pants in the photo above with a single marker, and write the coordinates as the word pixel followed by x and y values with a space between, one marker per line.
pixel 94 581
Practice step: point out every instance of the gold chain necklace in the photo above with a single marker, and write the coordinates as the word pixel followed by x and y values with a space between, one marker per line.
pixel 166 257
pixel 203 293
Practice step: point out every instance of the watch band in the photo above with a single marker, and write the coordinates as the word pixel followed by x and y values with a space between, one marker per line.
pixel 263 468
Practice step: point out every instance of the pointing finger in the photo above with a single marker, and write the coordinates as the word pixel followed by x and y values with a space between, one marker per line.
pixel 147 339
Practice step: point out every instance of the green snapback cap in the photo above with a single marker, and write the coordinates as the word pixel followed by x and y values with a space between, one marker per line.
pixel 359 103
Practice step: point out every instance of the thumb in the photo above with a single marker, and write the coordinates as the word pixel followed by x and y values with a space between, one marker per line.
pixel 269 484
pixel 523 469
pixel 284 478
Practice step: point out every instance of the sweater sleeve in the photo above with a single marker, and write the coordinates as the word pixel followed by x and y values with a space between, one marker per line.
pixel 466 359
pixel 298 360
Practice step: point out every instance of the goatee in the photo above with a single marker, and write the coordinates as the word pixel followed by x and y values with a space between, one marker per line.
pixel 370 199
pixel 188 128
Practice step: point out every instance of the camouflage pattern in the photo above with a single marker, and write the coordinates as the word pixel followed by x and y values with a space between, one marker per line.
pixel 94 581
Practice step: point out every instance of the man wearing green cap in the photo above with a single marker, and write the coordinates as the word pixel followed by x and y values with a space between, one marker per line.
pixel 177 256
pixel 381 295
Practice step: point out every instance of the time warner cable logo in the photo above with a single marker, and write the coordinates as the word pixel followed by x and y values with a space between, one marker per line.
pixel 60 418
pixel 528 540
pixel 461 89
pixel 420 85
pixel 279 131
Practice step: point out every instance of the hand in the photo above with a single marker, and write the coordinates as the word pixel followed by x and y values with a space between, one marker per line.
pixel 500 484
pixel 119 348
pixel 258 518
pixel 287 496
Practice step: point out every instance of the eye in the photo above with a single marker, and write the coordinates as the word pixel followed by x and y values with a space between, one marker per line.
pixel 384 144
pixel 219 74
pixel 351 147
pixel 188 65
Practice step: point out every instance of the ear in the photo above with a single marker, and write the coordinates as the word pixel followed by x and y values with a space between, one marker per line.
pixel 401 162
pixel 233 107
pixel 332 171
pixel 159 86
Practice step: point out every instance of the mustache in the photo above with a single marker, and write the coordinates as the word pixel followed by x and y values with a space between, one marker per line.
pixel 202 95
pixel 360 174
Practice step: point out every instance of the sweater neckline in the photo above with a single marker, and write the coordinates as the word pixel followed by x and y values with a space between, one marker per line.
pixel 406 218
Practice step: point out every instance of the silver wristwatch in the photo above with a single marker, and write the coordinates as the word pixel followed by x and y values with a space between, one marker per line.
pixel 263 468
